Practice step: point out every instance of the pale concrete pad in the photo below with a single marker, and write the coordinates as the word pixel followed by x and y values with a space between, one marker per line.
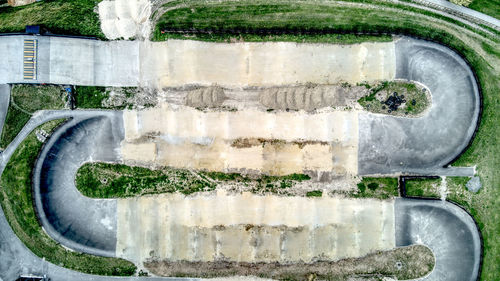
pixel 184 137
pixel 250 228
pixel 180 62
pixel 11 59
pixel 92 62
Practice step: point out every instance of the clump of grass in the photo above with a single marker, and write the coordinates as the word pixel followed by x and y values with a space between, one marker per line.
pixel 380 188
pixel 314 193
pixel 423 187
pixel 17 203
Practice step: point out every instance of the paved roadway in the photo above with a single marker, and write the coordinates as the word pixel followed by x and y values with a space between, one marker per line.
pixel 4 104
pixel 447 5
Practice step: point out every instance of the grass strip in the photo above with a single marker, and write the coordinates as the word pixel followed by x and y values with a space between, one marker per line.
pixel 17 203
pixel 380 188
pixel 104 180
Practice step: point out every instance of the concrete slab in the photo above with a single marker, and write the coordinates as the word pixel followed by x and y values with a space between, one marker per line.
pixel 251 228
pixel 447 230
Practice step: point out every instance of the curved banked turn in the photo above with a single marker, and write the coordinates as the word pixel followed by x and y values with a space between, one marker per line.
pixel 423 145
pixel 387 145
pixel 447 230
pixel 78 222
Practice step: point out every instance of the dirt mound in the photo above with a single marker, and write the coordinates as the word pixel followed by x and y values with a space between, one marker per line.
pixel 206 97
pixel 310 98
pixel 125 18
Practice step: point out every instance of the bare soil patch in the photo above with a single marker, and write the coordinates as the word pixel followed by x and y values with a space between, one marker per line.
pixel 403 263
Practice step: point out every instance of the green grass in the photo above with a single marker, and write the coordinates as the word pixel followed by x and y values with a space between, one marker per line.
pixel 99 97
pixel 489 7
pixel 17 203
pixel 299 38
pixel 71 17
pixel 32 98
pixel 380 188
pixel 90 96
pixel 423 187
pixel 481 51
pixel 103 180
pixel 416 99
pixel 314 193
pixel 261 183
pixel 26 100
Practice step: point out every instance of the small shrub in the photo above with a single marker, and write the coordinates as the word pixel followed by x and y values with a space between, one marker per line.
pixel 314 193
pixel 373 185
pixel 361 187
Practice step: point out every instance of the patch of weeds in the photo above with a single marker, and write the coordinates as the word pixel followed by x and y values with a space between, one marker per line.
pixel 380 188
pixel 314 193
pixel 423 187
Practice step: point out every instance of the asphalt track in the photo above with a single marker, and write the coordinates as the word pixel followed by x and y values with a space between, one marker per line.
pixel 388 145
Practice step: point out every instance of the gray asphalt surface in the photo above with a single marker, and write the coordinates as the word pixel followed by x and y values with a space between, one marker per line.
pixel 423 145
pixel 78 222
pixel 4 104
pixel 447 230
pixel 462 10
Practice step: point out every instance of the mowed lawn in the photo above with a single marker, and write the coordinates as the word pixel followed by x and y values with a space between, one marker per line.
pixel 70 17
pixel 489 7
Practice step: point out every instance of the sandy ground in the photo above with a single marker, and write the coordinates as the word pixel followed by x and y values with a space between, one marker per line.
pixel 403 263
pixel 250 228
pixel 125 18
pixel 184 137
pixel 179 62
pixel 16 3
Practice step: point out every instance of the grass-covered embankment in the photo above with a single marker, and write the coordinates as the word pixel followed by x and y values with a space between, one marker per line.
pixel 69 17
pixel 104 180
pixel 481 50
pixel 26 100
pixel 17 204
pixel 489 7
